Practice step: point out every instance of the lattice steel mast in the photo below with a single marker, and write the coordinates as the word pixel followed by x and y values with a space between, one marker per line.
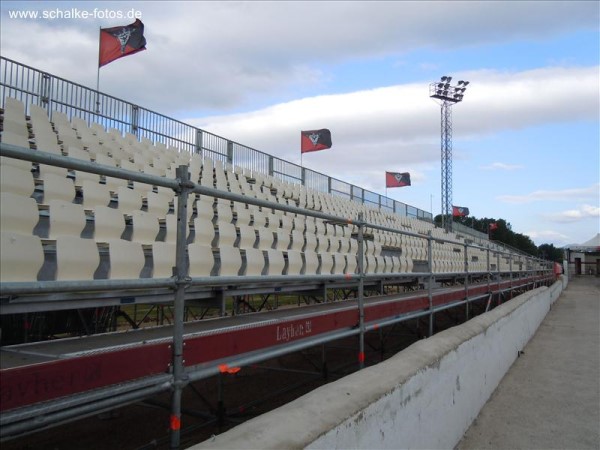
pixel 448 95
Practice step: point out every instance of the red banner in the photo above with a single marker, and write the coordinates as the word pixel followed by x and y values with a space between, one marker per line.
pixel 117 42
pixel 394 179
pixel 315 140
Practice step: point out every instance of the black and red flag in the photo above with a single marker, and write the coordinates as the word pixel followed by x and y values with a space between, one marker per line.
pixel 315 140
pixel 117 42
pixel 460 211
pixel 394 179
pixel 493 226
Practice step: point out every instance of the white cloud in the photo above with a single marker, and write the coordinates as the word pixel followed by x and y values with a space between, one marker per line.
pixel 548 236
pixel 502 166
pixel 222 55
pixel 574 215
pixel 577 194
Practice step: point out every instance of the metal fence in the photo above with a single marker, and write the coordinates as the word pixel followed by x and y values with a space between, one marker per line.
pixel 53 93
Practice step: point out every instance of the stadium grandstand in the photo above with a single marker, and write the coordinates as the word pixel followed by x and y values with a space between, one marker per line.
pixel 112 214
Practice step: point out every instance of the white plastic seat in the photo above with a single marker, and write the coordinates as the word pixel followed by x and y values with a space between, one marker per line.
pixel 20 164
pixel 227 234
pixel 129 200
pixel 14 107
pixel 224 212
pixel 204 231
pixel 18 128
pixel 16 180
pixel 273 221
pixel 286 221
pixel 297 241
pixel 231 261
pixel 283 239
pixel 45 170
pixel 201 260
pixel 76 258
pixel 259 219
pixel 276 262
pixel 327 263
pixel 126 259
pixel 81 177
pixel 21 258
pixel 18 214
pixel 295 263
pixel 47 142
pixel 158 203
pixel 58 188
pixel 351 263
pixel 312 243
pixel 247 236
pixel 105 160
pixel 12 138
pixel 265 238
pixel 95 194
pixel 115 183
pixel 163 257
pixel 66 219
pixel 311 263
pixel 255 262
pixel 243 216
pixel 145 227
pixel 109 224
pixel 371 264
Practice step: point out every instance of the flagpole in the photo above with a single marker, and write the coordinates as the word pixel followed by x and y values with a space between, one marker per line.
pixel 98 74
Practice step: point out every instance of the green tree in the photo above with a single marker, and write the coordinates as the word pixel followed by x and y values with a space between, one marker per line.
pixel 551 253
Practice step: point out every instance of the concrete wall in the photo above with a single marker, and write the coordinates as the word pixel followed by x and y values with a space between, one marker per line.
pixel 424 397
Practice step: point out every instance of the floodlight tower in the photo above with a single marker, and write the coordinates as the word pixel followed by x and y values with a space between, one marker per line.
pixel 447 95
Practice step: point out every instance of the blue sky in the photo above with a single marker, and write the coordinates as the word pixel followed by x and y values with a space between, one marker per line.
pixel 526 137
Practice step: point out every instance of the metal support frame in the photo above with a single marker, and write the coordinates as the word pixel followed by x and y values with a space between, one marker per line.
pixel 446 163
pixel 447 95
pixel 361 292
pixel 181 271
pixel 430 283
pixel 466 261
pixel 67 409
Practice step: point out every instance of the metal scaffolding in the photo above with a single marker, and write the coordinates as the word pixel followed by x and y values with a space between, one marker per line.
pixel 448 96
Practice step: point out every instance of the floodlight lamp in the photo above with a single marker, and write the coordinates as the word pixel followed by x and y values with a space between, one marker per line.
pixel 440 85
pixel 445 93
pixel 444 78
pixel 448 79
pixel 464 83
pixel 439 92
pixel 447 85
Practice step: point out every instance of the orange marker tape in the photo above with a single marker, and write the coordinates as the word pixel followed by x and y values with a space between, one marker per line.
pixel 376 326
pixel 175 423
pixel 361 356
pixel 348 276
pixel 224 368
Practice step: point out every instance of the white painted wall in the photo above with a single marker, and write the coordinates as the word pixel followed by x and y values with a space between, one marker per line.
pixel 424 397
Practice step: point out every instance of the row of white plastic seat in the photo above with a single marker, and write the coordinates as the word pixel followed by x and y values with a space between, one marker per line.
pixel 79 259
pixel 130 139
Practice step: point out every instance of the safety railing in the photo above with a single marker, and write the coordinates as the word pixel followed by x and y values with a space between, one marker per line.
pixel 181 280
pixel 33 86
